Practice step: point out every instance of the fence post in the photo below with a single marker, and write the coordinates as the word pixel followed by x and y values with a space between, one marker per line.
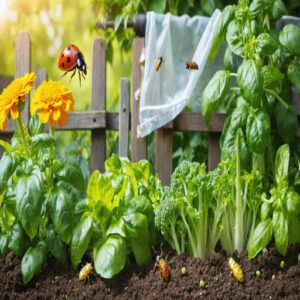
pixel 41 75
pixel 98 102
pixel 213 149
pixel 163 154
pixel 23 64
pixel 138 145
pixel 124 109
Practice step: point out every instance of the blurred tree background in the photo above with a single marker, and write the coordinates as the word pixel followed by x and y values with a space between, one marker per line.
pixel 54 23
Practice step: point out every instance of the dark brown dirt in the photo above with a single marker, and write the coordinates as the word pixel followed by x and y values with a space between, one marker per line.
pixel 55 282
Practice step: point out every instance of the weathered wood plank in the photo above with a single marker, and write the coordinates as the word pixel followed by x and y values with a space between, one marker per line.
pixel 124 110
pixel 41 75
pixel 163 154
pixel 98 102
pixel 23 64
pixel 85 120
pixel 188 121
pixel 213 150
pixel 138 145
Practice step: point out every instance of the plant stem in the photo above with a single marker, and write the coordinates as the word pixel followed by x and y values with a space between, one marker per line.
pixel 235 89
pixel 22 132
pixel 233 74
pixel 239 225
pixel 281 101
pixel 51 131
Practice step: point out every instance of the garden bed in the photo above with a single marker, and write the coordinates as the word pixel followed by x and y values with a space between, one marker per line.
pixel 55 282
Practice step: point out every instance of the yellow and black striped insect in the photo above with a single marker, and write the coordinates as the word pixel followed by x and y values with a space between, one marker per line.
pixel 163 267
pixel 236 270
pixel 158 63
pixel 85 271
pixel 191 65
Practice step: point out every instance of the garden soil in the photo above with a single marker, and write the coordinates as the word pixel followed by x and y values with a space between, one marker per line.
pixel 57 282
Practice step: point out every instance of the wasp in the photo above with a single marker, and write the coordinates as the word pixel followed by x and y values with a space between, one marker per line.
pixel 163 267
pixel 236 270
pixel 158 63
pixel 85 271
pixel 190 65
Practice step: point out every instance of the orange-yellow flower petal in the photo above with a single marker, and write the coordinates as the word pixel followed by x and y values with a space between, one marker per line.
pixel 12 95
pixel 54 98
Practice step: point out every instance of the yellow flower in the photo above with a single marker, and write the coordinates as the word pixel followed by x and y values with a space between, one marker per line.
pixel 52 100
pixel 12 95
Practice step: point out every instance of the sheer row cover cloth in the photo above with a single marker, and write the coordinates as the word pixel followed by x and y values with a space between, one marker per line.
pixel 165 93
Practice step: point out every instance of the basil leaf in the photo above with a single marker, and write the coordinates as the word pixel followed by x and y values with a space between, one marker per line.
pixel 62 214
pixel 272 77
pixel 266 44
pixel 18 241
pixel 260 237
pixel 32 261
pixel 282 163
pixel 258 131
pixel 80 239
pixel 279 9
pixel 294 229
pixel 55 245
pixel 7 167
pixel 220 31
pixel 256 7
pixel 286 121
pixel 110 259
pixel 29 200
pixel 293 74
pixel 265 211
pixel 281 231
pixel 293 202
pixel 214 93
pixel 250 81
pixel 234 39
pixel 289 37
pixel 141 251
pixel 157 6
pixel 228 60
pixel 42 140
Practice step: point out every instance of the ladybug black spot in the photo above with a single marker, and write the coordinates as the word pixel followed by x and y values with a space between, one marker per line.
pixel 69 48
pixel 63 65
pixel 68 59
pixel 62 55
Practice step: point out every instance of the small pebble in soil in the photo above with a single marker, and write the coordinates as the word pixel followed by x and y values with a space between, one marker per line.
pixel 282 264
pixel 273 277
pixel 257 273
pixel 183 271
pixel 202 284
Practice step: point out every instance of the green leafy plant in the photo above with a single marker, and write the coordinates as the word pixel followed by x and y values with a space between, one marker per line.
pixel 259 101
pixel 280 213
pixel 38 190
pixel 117 218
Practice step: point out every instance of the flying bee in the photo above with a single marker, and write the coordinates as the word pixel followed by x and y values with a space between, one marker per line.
pixel 163 267
pixel 236 270
pixel 85 271
pixel 158 63
pixel 190 65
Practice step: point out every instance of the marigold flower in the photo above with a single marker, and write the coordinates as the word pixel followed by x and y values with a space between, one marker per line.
pixel 52 100
pixel 12 95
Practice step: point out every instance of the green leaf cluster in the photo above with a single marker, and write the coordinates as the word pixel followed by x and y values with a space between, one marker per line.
pixel 280 213
pixel 118 217
pixel 39 193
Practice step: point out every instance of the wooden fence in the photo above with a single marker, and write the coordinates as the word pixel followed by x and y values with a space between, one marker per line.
pixel 98 120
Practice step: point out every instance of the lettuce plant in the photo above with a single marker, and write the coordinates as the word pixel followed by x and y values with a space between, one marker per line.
pixel 117 219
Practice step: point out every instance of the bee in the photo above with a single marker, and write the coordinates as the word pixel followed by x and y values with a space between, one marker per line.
pixel 191 65
pixel 236 270
pixel 85 271
pixel 158 63
pixel 163 266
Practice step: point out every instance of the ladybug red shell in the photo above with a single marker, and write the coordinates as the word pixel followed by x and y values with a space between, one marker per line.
pixel 71 58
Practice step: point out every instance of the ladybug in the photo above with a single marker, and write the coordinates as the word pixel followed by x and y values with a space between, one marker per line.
pixel 71 59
